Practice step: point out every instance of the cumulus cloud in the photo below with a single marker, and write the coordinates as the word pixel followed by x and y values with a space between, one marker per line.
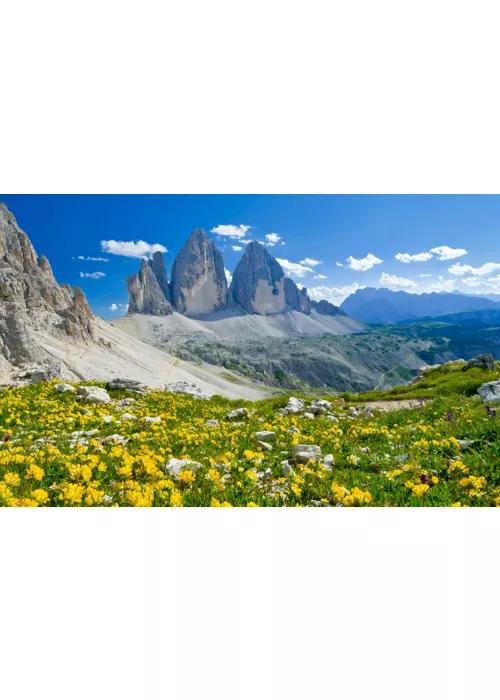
pixel 320 277
pixel 231 230
pixel 364 263
pixel 486 269
pixel 407 258
pixel 82 257
pixel 339 264
pixel 229 276
pixel 93 275
pixel 131 249
pixel 311 262
pixel 273 238
pixel 335 295
pixel 395 281
pixel 236 248
pixel 442 285
pixel 294 269
pixel 425 275
pixel 118 307
pixel 446 253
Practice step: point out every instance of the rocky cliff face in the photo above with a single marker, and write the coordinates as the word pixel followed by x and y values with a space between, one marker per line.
pixel 296 298
pixel 258 284
pixel 145 292
pixel 31 299
pixel 199 283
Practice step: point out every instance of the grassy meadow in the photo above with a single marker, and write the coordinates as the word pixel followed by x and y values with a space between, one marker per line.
pixel 58 452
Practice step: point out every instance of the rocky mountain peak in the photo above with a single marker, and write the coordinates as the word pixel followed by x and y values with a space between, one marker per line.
pixel 145 293
pixel 31 300
pixel 297 299
pixel 258 282
pixel 199 283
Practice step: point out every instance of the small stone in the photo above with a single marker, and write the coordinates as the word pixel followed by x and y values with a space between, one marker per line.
pixel 322 403
pixel 175 466
pixel 309 416
pixel 107 419
pixel 287 469
pixel 328 460
pixel 64 387
pixel 265 446
pixel 400 458
pixel 93 394
pixel 266 435
pixel 333 419
pixel 114 438
pixel 293 430
pixel 212 423
pixel 237 413
pixel 152 419
pixel 131 385
pixel 128 416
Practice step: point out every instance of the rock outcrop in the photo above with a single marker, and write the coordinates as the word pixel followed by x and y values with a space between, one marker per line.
pixel 295 298
pixel 31 300
pixel 325 308
pixel 146 295
pixel 258 283
pixel 199 283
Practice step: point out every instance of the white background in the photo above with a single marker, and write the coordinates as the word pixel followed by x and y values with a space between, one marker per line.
pixel 234 97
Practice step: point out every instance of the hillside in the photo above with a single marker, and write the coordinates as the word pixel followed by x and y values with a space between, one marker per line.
pixel 171 450
pixel 290 350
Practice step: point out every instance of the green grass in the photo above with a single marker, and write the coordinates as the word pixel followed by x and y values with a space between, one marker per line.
pixel 449 380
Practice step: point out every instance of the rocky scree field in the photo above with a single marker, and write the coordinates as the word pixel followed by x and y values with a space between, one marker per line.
pixel 87 445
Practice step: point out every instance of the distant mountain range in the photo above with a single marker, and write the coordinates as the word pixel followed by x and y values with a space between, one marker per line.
pixel 384 306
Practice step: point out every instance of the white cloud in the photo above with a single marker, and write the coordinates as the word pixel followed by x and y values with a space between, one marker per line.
pixel 339 264
pixel 131 249
pixel 425 275
pixel 229 276
pixel 407 258
pixel 446 253
pixel 82 257
pixel 236 248
pixel 118 307
pixel 231 230
pixel 320 277
pixel 294 269
pixel 364 263
pixel 310 261
pixel 273 238
pixel 335 295
pixel 93 275
pixel 394 281
pixel 245 240
pixel 442 285
pixel 486 269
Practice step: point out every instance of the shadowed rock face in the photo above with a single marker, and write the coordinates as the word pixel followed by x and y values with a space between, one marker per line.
pixel 296 298
pixel 258 283
pixel 326 308
pixel 157 264
pixel 199 283
pixel 144 291
pixel 31 299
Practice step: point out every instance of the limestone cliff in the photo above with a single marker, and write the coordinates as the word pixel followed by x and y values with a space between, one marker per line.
pixel 199 283
pixel 258 283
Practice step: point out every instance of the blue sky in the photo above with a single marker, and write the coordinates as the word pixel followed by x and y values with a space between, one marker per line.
pixel 331 244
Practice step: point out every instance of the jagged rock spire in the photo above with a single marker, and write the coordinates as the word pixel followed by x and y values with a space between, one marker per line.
pixel 258 282
pixel 296 298
pixel 145 293
pixel 199 283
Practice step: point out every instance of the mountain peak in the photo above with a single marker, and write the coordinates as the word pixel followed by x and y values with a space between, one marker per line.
pixel 258 282
pixel 199 284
